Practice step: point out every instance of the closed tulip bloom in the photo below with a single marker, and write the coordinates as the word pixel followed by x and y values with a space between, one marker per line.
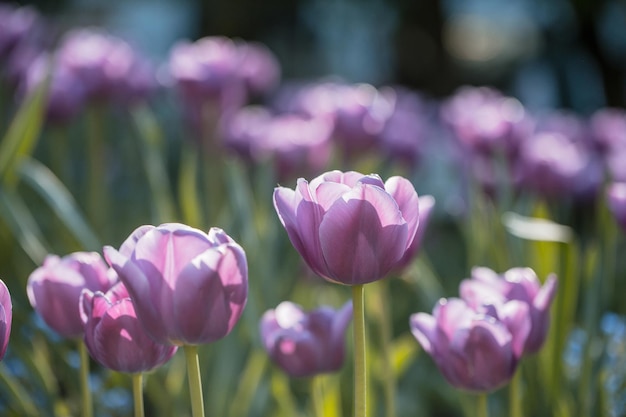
pixel 305 343
pixel 114 336
pixel 54 289
pixel 522 284
pixel 6 317
pixel 616 201
pixel 350 228
pixel 188 287
pixel 426 205
pixel 475 351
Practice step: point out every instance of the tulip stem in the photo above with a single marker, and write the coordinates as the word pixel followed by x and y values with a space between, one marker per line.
pixel 515 396
pixel 482 406
pixel 195 384
pixel 138 394
pixel 360 373
pixel 84 380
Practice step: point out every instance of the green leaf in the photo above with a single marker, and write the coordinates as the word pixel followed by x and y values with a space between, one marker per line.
pixel 48 186
pixel 21 137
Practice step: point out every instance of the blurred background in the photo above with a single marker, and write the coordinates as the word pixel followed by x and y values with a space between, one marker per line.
pixel 548 53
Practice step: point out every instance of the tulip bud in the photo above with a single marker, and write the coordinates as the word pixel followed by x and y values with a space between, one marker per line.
pixel 6 317
pixel 54 289
pixel 305 344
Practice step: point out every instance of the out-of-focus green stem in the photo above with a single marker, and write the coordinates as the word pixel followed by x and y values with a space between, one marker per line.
pixel 96 191
pixel 360 363
pixel 482 405
pixel 84 380
pixel 317 395
pixel 138 394
pixel 195 384
pixel 515 395
pixel 389 380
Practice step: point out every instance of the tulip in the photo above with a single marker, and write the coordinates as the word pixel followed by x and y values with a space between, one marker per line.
pixel 54 289
pixel 6 317
pixel 114 336
pixel 474 350
pixel 305 344
pixel 188 287
pixel 522 284
pixel 350 228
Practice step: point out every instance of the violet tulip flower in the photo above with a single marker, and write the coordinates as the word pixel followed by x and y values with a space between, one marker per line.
pixel 426 205
pixel 305 343
pixel 54 289
pixel 487 287
pixel 350 228
pixel 113 335
pixel 474 350
pixel 188 287
pixel 616 201
pixel 6 317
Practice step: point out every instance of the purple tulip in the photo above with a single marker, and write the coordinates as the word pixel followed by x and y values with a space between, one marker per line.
pixel 16 25
pixel 616 201
pixel 426 205
pixel 474 350
pixel 487 287
pixel 608 129
pixel 350 228
pixel 305 344
pixel 188 287
pixel 6 317
pixel 114 336
pixel 54 289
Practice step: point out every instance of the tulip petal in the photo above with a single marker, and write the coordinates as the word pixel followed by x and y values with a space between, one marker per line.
pixel 424 328
pixel 409 204
pixel 516 317
pixel 362 235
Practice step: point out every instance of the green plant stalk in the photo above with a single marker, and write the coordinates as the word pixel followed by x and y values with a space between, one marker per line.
pixel 360 361
pixel 317 394
pixel 482 405
pixel 389 380
pixel 515 396
pixel 96 192
pixel 84 380
pixel 138 394
pixel 195 384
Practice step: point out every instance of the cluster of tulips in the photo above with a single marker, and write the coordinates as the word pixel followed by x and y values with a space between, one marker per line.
pixel 173 285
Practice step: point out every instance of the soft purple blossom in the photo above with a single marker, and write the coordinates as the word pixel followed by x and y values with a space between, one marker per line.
pixel 350 228
pixel 616 202
pixel 305 343
pixel 426 206
pixel 474 350
pixel 114 336
pixel 54 288
pixel 608 129
pixel 486 287
pixel 188 287
pixel 16 25
pixel 6 318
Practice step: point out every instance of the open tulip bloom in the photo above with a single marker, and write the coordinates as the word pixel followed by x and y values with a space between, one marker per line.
pixel 188 287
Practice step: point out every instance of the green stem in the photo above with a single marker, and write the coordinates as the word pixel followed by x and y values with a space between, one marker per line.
pixel 482 405
pixel 389 380
pixel 84 380
pixel 317 393
pixel 96 192
pixel 138 394
pixel 360 373
pixel 515 396
pixel 195 384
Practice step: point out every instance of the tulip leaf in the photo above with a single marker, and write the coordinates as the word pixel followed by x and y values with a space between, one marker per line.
pixel 24 227
pixel 21 137
pixel 404 350
pixel 20 401
pixel 532 228
pixel 42 180
pixel 253 372
pixel 188 188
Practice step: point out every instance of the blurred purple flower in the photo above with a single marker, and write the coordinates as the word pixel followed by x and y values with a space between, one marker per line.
pixel 426 206
pixel 616 202
pixel 188 287
pixel 54 288
pixel 114 336
pixel 349 228
pixel 16 25
pixel 485 121
pixel 6 318
pixel 608 129
pixel 258 67
pixel 66 95
pixel 305 343
pixel 474 350
pixel 488 288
